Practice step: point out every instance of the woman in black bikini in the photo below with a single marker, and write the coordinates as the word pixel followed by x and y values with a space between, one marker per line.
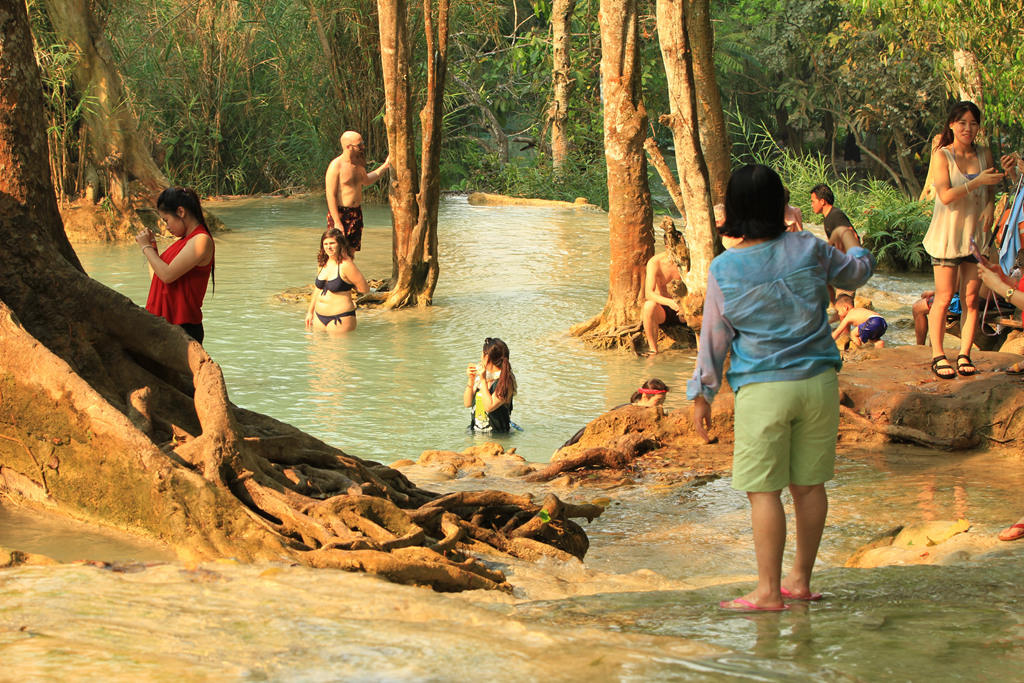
pixel 331 307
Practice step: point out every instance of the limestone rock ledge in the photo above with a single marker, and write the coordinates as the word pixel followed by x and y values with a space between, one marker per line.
pixel 893 392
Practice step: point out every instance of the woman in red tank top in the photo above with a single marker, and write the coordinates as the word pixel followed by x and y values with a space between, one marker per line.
pixel 181 273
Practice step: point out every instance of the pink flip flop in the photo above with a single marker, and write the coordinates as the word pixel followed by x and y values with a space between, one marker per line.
pixel 1012 533
pixel 810 598
pixel 747 606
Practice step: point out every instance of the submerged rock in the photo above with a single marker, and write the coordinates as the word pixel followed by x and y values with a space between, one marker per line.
pixel 18 558
pixel 486 460
pixel 485 199
pixel 939 542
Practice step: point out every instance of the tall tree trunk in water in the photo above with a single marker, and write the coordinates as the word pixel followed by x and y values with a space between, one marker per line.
pixel 629 197
pixel 112 415
pixel 413 204
pixel 713 134
pixel 115 147
pixel 561 83
pixel 699 232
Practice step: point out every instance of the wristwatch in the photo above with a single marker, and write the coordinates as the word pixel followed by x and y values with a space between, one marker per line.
pixel 1009 293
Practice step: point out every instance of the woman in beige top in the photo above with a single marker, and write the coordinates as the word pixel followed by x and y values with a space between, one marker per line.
pixel 963 209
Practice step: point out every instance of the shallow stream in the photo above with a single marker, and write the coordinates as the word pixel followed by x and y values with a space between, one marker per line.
pixel 642 607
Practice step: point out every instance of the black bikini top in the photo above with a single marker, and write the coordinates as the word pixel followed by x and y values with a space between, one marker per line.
pixel 336 285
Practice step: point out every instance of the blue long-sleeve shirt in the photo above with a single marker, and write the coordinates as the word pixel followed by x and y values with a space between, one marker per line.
pixel 768 303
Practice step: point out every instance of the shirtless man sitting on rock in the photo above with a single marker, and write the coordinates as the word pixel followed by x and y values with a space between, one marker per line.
pixel 346 177
pixel 660 308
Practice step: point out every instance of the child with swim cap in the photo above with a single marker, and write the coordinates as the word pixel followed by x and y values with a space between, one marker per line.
pixel 651 394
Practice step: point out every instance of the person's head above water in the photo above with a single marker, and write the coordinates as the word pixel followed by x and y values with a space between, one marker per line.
pixel 495 353
pixel 333 241
pixel 652 393
pixel 754 204
pixel 179 202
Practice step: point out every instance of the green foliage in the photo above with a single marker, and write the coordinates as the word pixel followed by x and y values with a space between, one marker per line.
pixel 816 70
pixel 231 99
pixel 64 106
pixel 893 228
pixel 990 30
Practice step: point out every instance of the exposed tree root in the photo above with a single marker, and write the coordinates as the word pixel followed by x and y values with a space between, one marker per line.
pixel 617 455
pixel 116 417
pixel 214 480
pixel 605 333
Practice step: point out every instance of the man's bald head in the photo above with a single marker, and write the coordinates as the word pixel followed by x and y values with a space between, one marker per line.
pixel 352 147
pixel 350 137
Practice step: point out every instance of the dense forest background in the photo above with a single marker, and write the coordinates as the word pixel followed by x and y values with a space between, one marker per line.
pixel 247 97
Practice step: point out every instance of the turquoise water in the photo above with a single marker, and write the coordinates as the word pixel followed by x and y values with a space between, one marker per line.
pixel 394 387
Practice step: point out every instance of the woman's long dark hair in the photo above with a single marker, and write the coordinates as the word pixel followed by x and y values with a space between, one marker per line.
pixel 653 384
pixel 344 248
pixel 496 352
pixel 955 112
pixel 185 197
pixel 754 204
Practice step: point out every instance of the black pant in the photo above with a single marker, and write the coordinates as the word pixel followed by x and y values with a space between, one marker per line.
pixel 194 330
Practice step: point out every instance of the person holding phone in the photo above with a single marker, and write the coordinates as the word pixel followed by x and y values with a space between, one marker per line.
pixel 490 387
pixel 964 176
pixel 180 274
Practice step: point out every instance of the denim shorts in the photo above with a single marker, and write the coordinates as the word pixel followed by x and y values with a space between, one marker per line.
pixel 953 262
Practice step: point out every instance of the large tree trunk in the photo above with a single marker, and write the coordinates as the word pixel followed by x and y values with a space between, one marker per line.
pixel 699 231
pixel 629 198
pixel 561 83
pixel 413 204
pixel 114 416
pixel 713 134
pixel 116 149
pixel 966 77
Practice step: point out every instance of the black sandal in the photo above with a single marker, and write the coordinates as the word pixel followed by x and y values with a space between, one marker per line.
pixel 966 369
pixel 937 365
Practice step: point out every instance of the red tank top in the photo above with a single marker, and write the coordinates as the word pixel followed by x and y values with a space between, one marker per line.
pixel 180 301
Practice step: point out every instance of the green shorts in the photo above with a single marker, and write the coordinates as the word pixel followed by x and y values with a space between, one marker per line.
pixel 786 433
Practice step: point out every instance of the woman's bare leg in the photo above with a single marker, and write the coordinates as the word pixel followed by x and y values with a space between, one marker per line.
pixel 810 504
pixel 970 284
pixel 768 519
pixel 945 285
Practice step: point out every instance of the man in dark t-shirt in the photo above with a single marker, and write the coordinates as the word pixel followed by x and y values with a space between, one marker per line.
pixel 836 225
pixel 822 202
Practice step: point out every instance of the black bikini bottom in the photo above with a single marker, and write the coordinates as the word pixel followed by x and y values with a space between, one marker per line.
pixel 326 320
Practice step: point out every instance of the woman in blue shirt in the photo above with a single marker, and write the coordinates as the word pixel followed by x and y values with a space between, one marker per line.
pixel 766 304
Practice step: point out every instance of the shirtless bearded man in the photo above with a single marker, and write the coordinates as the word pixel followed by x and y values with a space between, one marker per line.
pixel 346 177
pixel 660 307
